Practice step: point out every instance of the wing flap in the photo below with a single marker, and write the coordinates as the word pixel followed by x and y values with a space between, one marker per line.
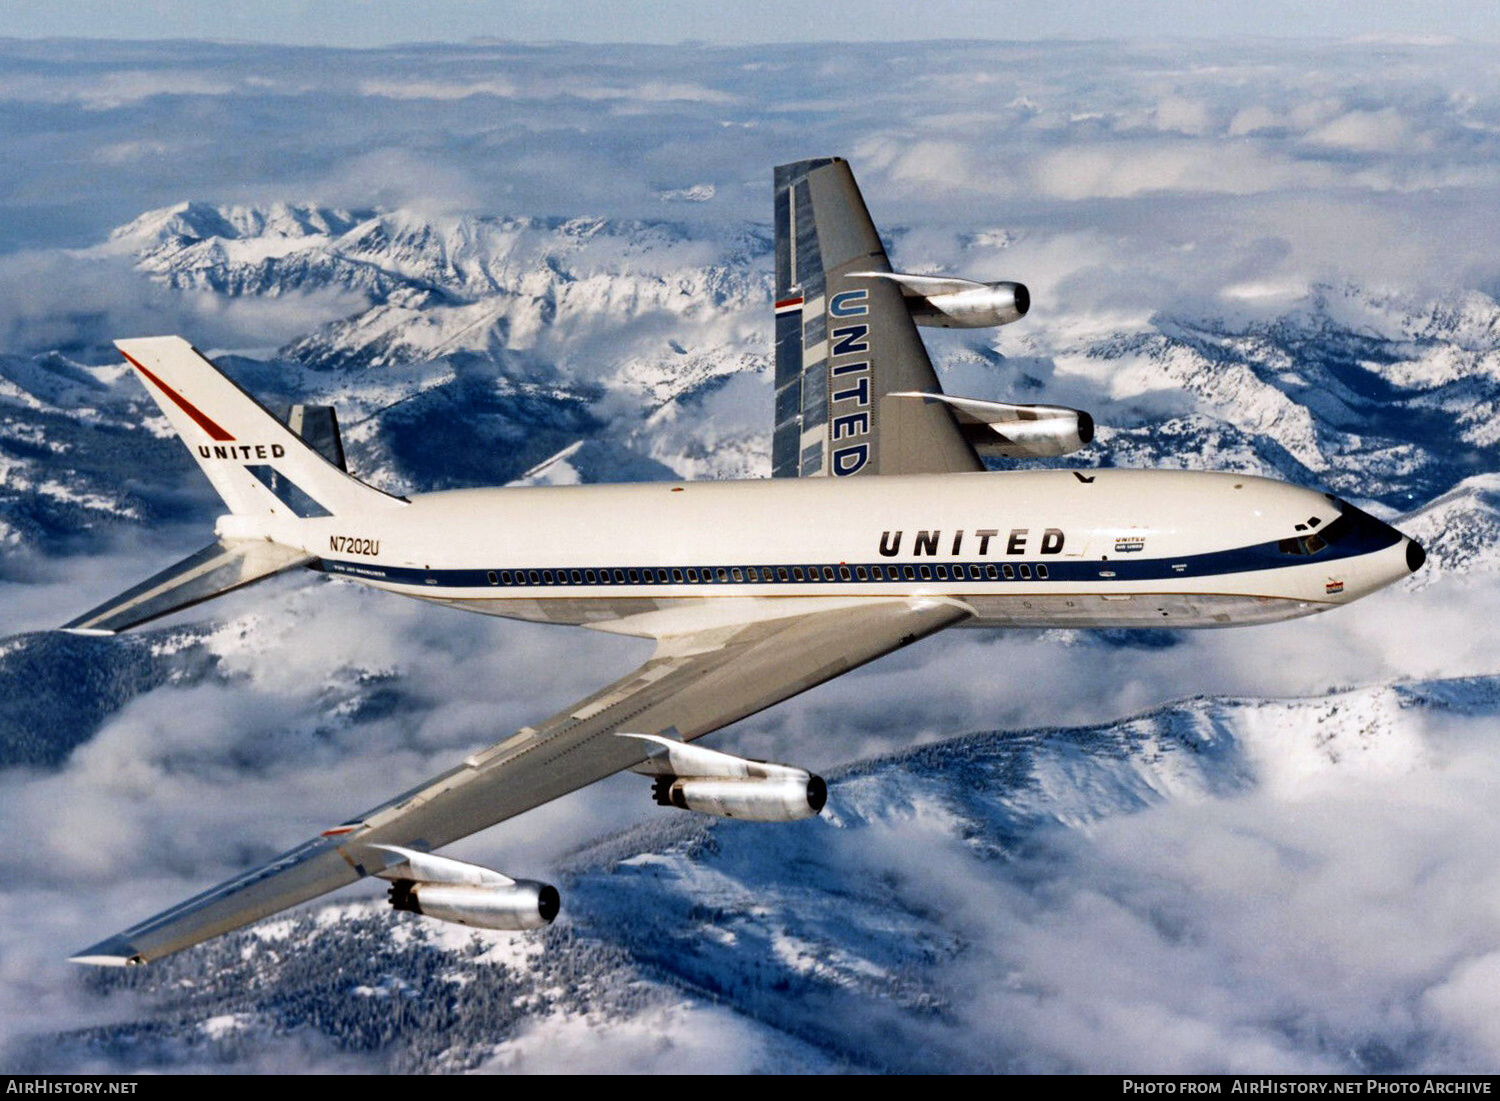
pixel 682 688
pixel 218 568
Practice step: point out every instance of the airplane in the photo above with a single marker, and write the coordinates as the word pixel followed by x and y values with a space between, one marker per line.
pixel 879 526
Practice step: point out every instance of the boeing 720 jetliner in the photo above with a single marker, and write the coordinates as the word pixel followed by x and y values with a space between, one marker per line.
pixel 748 603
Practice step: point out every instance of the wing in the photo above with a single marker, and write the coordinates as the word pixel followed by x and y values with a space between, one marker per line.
pixel 845 340
pixel 697 681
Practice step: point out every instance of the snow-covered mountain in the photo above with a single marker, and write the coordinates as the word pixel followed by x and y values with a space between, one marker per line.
pixel 467 350
pixel 853 941
pixel 473 348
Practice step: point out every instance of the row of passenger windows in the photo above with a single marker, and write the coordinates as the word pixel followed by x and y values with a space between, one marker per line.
pixel 762 574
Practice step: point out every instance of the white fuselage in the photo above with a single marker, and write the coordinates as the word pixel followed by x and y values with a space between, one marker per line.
pixel 1098 548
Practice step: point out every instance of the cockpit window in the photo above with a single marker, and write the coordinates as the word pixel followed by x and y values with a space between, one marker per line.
pixel 1302 544
pixel 1350 523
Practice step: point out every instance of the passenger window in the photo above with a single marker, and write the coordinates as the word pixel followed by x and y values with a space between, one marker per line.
pixel 861 573
pixel 1041 572
pixel 576 576
pixel 738 574
pixel 492 578
pixel 1010 572
pixel 692 576
pixel 619 577
pixel 534 577
pixel 797 573
pixel 991 572
pixel 781 573
pixel 844 573
pixel 926 572
pixel 591 577
pixel 505 577
pixel 721 574
pixel 1025 573
pixel 908 573
pixel 677 576
pixel 942 573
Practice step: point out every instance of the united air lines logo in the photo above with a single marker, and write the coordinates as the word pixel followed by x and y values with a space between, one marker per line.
pixel 241 451
pixel 849 383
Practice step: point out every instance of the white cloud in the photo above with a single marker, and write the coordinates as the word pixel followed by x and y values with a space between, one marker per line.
pixel 1187 116
pixel 1248 120
pixel 437 89
pixel 1382 131
pixel 115 89
pixel 1141 168
pixel 687 1038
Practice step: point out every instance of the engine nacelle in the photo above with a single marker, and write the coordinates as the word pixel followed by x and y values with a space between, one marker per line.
pixel 784 799
pixel 1015 431
pixel 982 307
pixel 467 894
pixel 696 778
pixel 948 302
pixel 1055 431
pixel 523 904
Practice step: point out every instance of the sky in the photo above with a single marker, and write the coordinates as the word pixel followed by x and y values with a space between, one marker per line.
pixel 363 23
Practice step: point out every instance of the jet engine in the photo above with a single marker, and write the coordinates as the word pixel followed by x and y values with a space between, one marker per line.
pixel 704 780
pixel 467 894
pixel 950 303
pixel 1015 431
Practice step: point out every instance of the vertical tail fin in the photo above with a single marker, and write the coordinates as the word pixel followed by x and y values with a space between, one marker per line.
pixel 258 465
pixel 845 339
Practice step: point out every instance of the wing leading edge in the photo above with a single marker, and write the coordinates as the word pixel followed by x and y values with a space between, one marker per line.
pixel 695 683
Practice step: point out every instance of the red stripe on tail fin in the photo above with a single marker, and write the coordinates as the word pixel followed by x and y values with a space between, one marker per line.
pixel 199 417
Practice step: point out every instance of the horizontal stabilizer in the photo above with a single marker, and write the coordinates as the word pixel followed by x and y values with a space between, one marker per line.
pixel 218 568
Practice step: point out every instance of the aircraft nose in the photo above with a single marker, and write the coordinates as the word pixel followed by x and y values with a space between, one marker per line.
pixel 1415 555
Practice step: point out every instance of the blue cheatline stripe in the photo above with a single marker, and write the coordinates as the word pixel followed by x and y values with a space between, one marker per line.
pixel 287 492
pixel 1262 556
